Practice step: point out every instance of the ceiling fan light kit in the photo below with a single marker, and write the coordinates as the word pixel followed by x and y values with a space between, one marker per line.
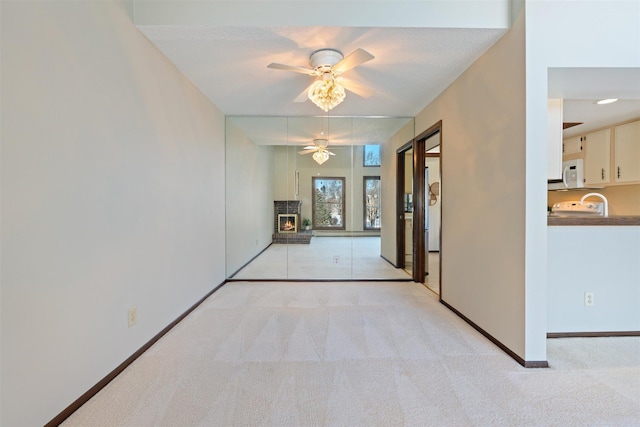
pixel 319 150
pixel 324 59
pixel 320 156
pixel 327 92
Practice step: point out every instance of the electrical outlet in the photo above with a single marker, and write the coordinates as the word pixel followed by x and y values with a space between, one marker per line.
pixel 133 316
pixel 336 259
pixel 588 299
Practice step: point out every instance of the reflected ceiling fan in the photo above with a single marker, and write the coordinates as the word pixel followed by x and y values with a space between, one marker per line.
pixel 328 90
pixel 319 149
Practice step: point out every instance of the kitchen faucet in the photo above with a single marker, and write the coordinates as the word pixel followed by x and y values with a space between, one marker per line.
pixel 604 199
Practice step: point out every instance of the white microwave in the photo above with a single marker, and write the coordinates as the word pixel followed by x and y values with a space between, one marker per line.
pixel 572 176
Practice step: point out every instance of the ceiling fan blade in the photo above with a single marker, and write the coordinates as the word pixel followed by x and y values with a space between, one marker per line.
pixel 357 88
pixel 302 70
pixel 306 151
pixel 310 147
pixel 304 95
pixel 355 58
pixel 333 154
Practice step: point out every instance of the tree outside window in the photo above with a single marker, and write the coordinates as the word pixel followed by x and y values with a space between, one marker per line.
pixel 328 203
pixel 372 200
pixel 372 155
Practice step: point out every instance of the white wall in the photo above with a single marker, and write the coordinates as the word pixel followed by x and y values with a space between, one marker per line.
pixel 562 33
pixel 249 201
pixel 112 195
pixel 604 260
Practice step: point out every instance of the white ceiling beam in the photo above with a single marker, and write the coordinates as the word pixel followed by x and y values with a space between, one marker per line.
pixel 493 14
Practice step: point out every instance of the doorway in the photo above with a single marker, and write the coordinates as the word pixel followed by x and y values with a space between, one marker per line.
pixel 418 207
pixel 432 220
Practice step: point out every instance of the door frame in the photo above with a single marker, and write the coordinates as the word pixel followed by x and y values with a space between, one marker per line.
pixel 418 194
pixel 420 160
pixel 419 209
pixel 400 171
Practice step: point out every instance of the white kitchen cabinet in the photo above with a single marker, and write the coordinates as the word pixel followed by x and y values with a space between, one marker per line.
pixel 627 152
pixel 554 138
pixel 597 160
pixel 572 146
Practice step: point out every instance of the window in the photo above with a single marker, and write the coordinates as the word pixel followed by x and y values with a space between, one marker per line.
pixel 328 203
pixel 372 201
pixel 372 155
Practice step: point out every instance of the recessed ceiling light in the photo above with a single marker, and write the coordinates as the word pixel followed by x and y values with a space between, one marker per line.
pixel 607 101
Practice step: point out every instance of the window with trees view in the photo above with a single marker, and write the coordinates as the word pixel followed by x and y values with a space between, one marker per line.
pixel 372 155
pixel 372 202
pixel 328 203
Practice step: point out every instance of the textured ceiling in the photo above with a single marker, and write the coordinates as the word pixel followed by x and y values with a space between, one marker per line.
pixel 411 67
pixel 229 64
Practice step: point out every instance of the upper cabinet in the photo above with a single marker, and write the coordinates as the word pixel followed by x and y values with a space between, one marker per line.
pixel 627 152
pixel 572 146
pixel 554 138
pixel 611 156
pixel 597 160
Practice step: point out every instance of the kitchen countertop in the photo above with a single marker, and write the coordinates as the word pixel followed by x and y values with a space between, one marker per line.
pixel 595 220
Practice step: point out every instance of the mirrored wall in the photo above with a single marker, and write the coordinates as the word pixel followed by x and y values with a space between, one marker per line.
pixel 304 197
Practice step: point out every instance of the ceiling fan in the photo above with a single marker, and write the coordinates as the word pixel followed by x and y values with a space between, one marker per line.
pixel 327 90
pixel 319 149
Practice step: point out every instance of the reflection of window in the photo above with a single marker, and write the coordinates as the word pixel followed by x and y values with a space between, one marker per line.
pixel 372 202
pixel 372 155
pixel 328 203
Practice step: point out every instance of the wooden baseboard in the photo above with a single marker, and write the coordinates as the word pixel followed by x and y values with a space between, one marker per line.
pixel 318 280
pixel 66 413
pixel 520 360
pixel 593 334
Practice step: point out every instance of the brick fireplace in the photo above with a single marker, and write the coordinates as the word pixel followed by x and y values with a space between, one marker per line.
pixel 288 212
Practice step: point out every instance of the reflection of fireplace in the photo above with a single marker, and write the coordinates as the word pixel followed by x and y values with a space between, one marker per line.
pixel 287 223
pixel 286 229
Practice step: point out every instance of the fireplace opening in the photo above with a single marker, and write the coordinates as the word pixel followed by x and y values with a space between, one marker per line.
pixel 287 223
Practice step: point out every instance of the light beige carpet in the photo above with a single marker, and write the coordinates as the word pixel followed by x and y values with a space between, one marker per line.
pixel 358 354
